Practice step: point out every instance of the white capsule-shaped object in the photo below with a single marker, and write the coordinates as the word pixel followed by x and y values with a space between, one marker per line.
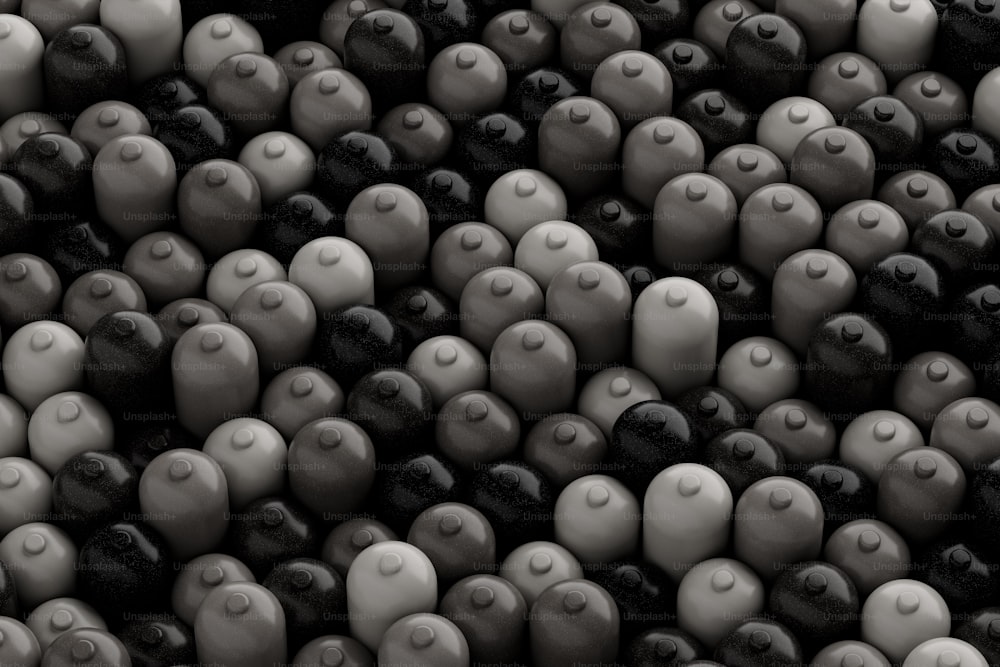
pixel 213 39
pixel 598 519
pixel 252 454
pixel 898 35
pixel 241 624
pixel 548 248
pixel 135 185
pixel 281 162
pixel 334 272
pixel 716 596
pixel 58 616
pixel 150 31
pixel 985 112
pixel 521 199
pixel 787 122
pixel 238 271
pixel 392 224
pixel 945 652
pixel 759 371
pixel 41 359
pixel 675 334
pixel 900 615
pixel 67 424
pixel 13 428
pixel 610 392
pixel 42 561
pixel 25 493
pixel 22 79
pixel 448 366
pixel 387 581
pixel 687 514
pixel 534 566
pixel 874 438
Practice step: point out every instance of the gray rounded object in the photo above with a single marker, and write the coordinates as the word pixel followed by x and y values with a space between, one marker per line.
pixel 493 300
pixel 180 315
pixel 655 152
pixel 521 199
pixel 942 650
pixel 280 319
pixel 339 16
pixel 759 371
pixel 807 287
pixel 97 293
pixel 60 615
pixel 19 647
pixel 778 522
pixel 898 35
pixel 695 221
pixel 969 430
pixel 917 196
pixel 65 425
pixel 492 615
pixel 240 623
pixel 573 622
pixel 101 122
pixel 23 50
pixel 334 272
pixel 836 165
pixel 135 184
pixel 331 467
pixel 984 203
pixel 184 496
pixel 350 538
pixel 745 168
pixel 534 566
pixel 920 492
pixel 167 266
pixel 465 80
pixel 251 91
pixel 565 447
pixel 799 429
pixel 199 577
pixel 464 250
pixel 828 25
pixel 593 32
pixel 850 652
pixel 843 80
pixel 533 367
pixel 53 16
pixel 13 428
pixel 788 121
pixel 31 290
pixel 550 247
pixel 25 493
pixel 523 39
pixel 578 142
pixel 598 519
pixel 213 39
pixel 477 427
pixel 715 597
pixel 40 360
pixel 899 615
pixel 449 366
pixel 635 85
pixel 41 559
pixel 419 133
pixel 337 650
pixel 219 206
pixel 391 224
pixel 151 32
pixel 607 394
pixel 254 457
pixel 457 539
pixel 22 126
pixel 870 552
pixel 717 18
pixel 874 438
pixel 86 647
pixel 327 103
pixel 299 59
pixel 5 152
pixel 864 232
pixel 298 396
pixel 423 640
pixel 281 162
pixel 930 381
pixel 938 99
pixel 777 221
pixel 238 271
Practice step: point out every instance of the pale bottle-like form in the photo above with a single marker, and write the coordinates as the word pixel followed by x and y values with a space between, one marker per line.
pixel 715 596
pixel 21 79
pixel 598 519
pixel 150 31
pixel 241 624
pixel 898 35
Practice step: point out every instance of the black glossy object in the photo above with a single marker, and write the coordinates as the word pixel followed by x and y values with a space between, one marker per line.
pixel 958 570
pixel 84 64
pixel 516 499
pixel 494 144
pixel 124 567
pixel 411 485
pixel 621 228
pixel 759 643
pixel 644 594
pixel 982 630
pixel 143 440
pixel 18 232
pixel 444 22
pixel 968 39
pixel 9 604
pixel 648 437
pixel 271 530
pixel 974 323
pixel 294 221
pixel 195 133
pixel 966 159
pixel 742 457
pixel 848 366
pixel 162 95
pixel 658 20
pixel 692 66
pixel 354 341
pixel 450 196
pixel 313 597
pixel 713 410
pixel 719 118
pixel 160 641
pixel 845 492
pixel 394 408
pixel 352 162
pixel 56 169
pixel 961 245
pixel 539 89
pixel 893 130
pixel 639 277
pixel 387 41
pixel 663 647
pixel 422 313
pixel 75 247
pixel 93 489
pixel 984 502
pixel 765 60
pixel 744 300
pixel 818 602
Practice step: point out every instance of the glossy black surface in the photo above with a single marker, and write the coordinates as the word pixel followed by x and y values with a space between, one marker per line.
pixel 56 169
pixel 692 66
pixel 744 300
pixel 18 233
pixel 75 247
pixel 960 571
pixel 352 162
pixel 845 492
pixel 818 602
pixel 663 647
pixel 84 64
pixel 648 437
pixel 354 341
pixel 164 94
pixel 645 595
pixel 9 604
pixel 382 41
pixel 161 641
pixel 982 630
pixel 968 39
pixel 422 313
pixel 759 643
pixel 271 530
pixel 966 159
pixel 412 484
pixel 765 60
pixel 93 489
pixel 621 228
pixel 713 410
pixel 721 119
pixel 539 89
pixel 893 130
pixel 639 277
pixel 741 457
pixel 294 221
pixel 494 144
pixel 516 499
pixel 963 247
pixel 140 440
pixel 195 133
pixel 659 20
pixel 313 597
pixel 394 408
pixel 444 22
pixel 984 502
pixel 974 323
pixel 450 196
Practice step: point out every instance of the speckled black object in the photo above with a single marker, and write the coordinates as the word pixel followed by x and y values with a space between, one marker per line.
pixel 742 456
pixel 893 130
pixel 766 60
pixel 56 169
pixel 412 484
pixel 908 296
pixel 271 530
pixel 385 48
pixel 313 597
pixel 394 408
pixel 9 604
pixel 658 20
pixel 644 594
pixel 692 66
pixel 18 233
pixel 444 23
pixel 639 277
pixel 92 489
pixel 818 602
pixel 845 492
pixel 960 571
pixel 663 647
pixel 968 39
pixel 160 641
pixel 621 228
pixel 127 363
pixel 719 118
pixel 450 196
pixel 984 503
pixel 294 221
pixel 960 243
pixel 75 247
pixel 354 341
pixel 421 313
pixel 494 144
pixel 974 323
pixel 84 64
pixel 759 643
pixel 713 410
pixel 848 367
pixel 141 438
pixel 124 566
pixel 648 437
pixel 744 300
pixel 164 94
pixel 967 160
pixel 352 162
pixel 194 133
pixel 982 630
pixel 539 89
pixel 516 499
